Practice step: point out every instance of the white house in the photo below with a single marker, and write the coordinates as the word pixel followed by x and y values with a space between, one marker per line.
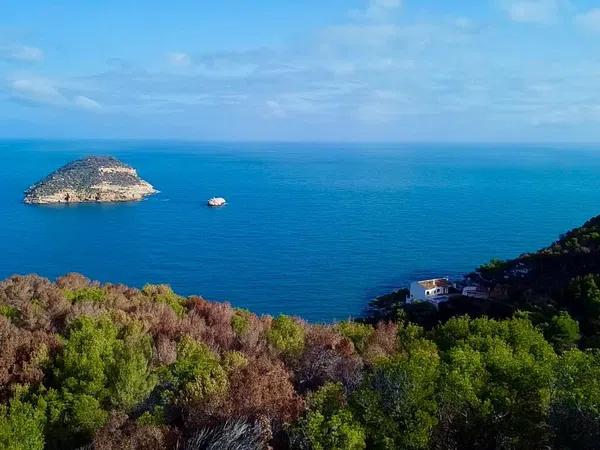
pixel 476 292
pixel 435 290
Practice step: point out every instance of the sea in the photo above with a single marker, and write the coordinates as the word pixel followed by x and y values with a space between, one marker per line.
pixel 314 230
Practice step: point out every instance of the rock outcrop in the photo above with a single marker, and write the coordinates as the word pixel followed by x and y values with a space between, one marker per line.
pixel 91 179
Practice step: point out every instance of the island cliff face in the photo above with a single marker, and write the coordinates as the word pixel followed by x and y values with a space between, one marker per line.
pixel 91 179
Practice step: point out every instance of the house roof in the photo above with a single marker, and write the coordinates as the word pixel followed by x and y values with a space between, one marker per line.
pixel 436 282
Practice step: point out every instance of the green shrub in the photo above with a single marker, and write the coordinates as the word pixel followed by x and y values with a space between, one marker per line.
pixel 234 360
pixel 396 402
pixel 10 312
pixel 197 371
pixel 563 332
pixel 286 336
pixel 87 294
pixel 21 426
pixel 329 424
pixel 240 321
pixel 99 368
pixel 492 266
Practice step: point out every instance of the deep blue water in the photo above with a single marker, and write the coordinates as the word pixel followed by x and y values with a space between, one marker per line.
pixel 310 229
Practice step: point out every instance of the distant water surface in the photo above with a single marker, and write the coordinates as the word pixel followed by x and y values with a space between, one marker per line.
pixel 314 230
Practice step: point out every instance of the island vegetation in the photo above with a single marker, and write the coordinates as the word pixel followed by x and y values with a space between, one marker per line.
pixel 90 179
pixel 85 365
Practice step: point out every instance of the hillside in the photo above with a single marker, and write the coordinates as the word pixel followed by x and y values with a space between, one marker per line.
pixel 561 277
pixel 112 367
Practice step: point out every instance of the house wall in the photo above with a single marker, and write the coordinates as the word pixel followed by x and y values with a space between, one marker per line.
pixel 418 292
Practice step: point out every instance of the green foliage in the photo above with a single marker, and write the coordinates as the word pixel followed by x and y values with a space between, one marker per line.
pixel 563 332
pixel 397 401
pixel 197 371
pixel 132 379
pixel 86 294
pixel 10 312
pixel 329 424
pixel 496 381
pixel 410 336
pixel 492 266
pixel 240 322
pixel 286 336
pixel 575 409
pixel 88 353
pixel 358 333
pixel 162 293
pixel 156 417
pixel 100 366
pixel 234 360
pixel 462 383
pixel 21 426
pixel 586 292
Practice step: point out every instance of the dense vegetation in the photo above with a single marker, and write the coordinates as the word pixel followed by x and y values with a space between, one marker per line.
pixel 111 367
pixel 564 277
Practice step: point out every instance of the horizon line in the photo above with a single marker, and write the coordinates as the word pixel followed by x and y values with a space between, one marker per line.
pixel 294 141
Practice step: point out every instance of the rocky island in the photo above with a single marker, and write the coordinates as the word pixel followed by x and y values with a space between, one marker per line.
pixel 91 179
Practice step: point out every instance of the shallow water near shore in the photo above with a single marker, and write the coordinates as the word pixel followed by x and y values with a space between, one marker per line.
pixel 314 230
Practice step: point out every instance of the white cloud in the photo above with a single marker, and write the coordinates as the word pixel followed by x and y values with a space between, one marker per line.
pixel 41 91
pixel 84 102
pixel 589 20
pixel 179 59
pixel 37 90
pixel 21 53
pixel 533 11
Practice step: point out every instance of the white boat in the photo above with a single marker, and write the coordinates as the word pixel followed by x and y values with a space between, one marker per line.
pixel 216 201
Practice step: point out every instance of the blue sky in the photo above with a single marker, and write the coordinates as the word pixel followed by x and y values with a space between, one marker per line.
pixel 353 70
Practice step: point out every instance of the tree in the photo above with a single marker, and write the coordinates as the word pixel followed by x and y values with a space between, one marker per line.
pixel 397 401
pixel 563 332
pixel 131 377
pixel 197 370
pixel 575 407
pixel 100 366
pixel 496 383
pixel 329 424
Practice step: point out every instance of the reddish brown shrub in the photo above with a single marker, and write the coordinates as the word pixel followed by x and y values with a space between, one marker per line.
pixel 251 340
pixel 23 355
pixel 165 350
pixel 123 434
pixel 74 281
pixel 158 318
pixel 40 304
pixel 263 388
pixel 383 342
pixel 327 356
pixel 216 317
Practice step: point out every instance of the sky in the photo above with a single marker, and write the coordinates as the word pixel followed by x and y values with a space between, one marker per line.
pixel 309 70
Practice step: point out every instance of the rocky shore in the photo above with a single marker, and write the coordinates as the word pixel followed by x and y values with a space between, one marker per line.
pixel 91 179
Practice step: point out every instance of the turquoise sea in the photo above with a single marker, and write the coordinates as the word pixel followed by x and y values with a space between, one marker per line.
pixel 314 230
